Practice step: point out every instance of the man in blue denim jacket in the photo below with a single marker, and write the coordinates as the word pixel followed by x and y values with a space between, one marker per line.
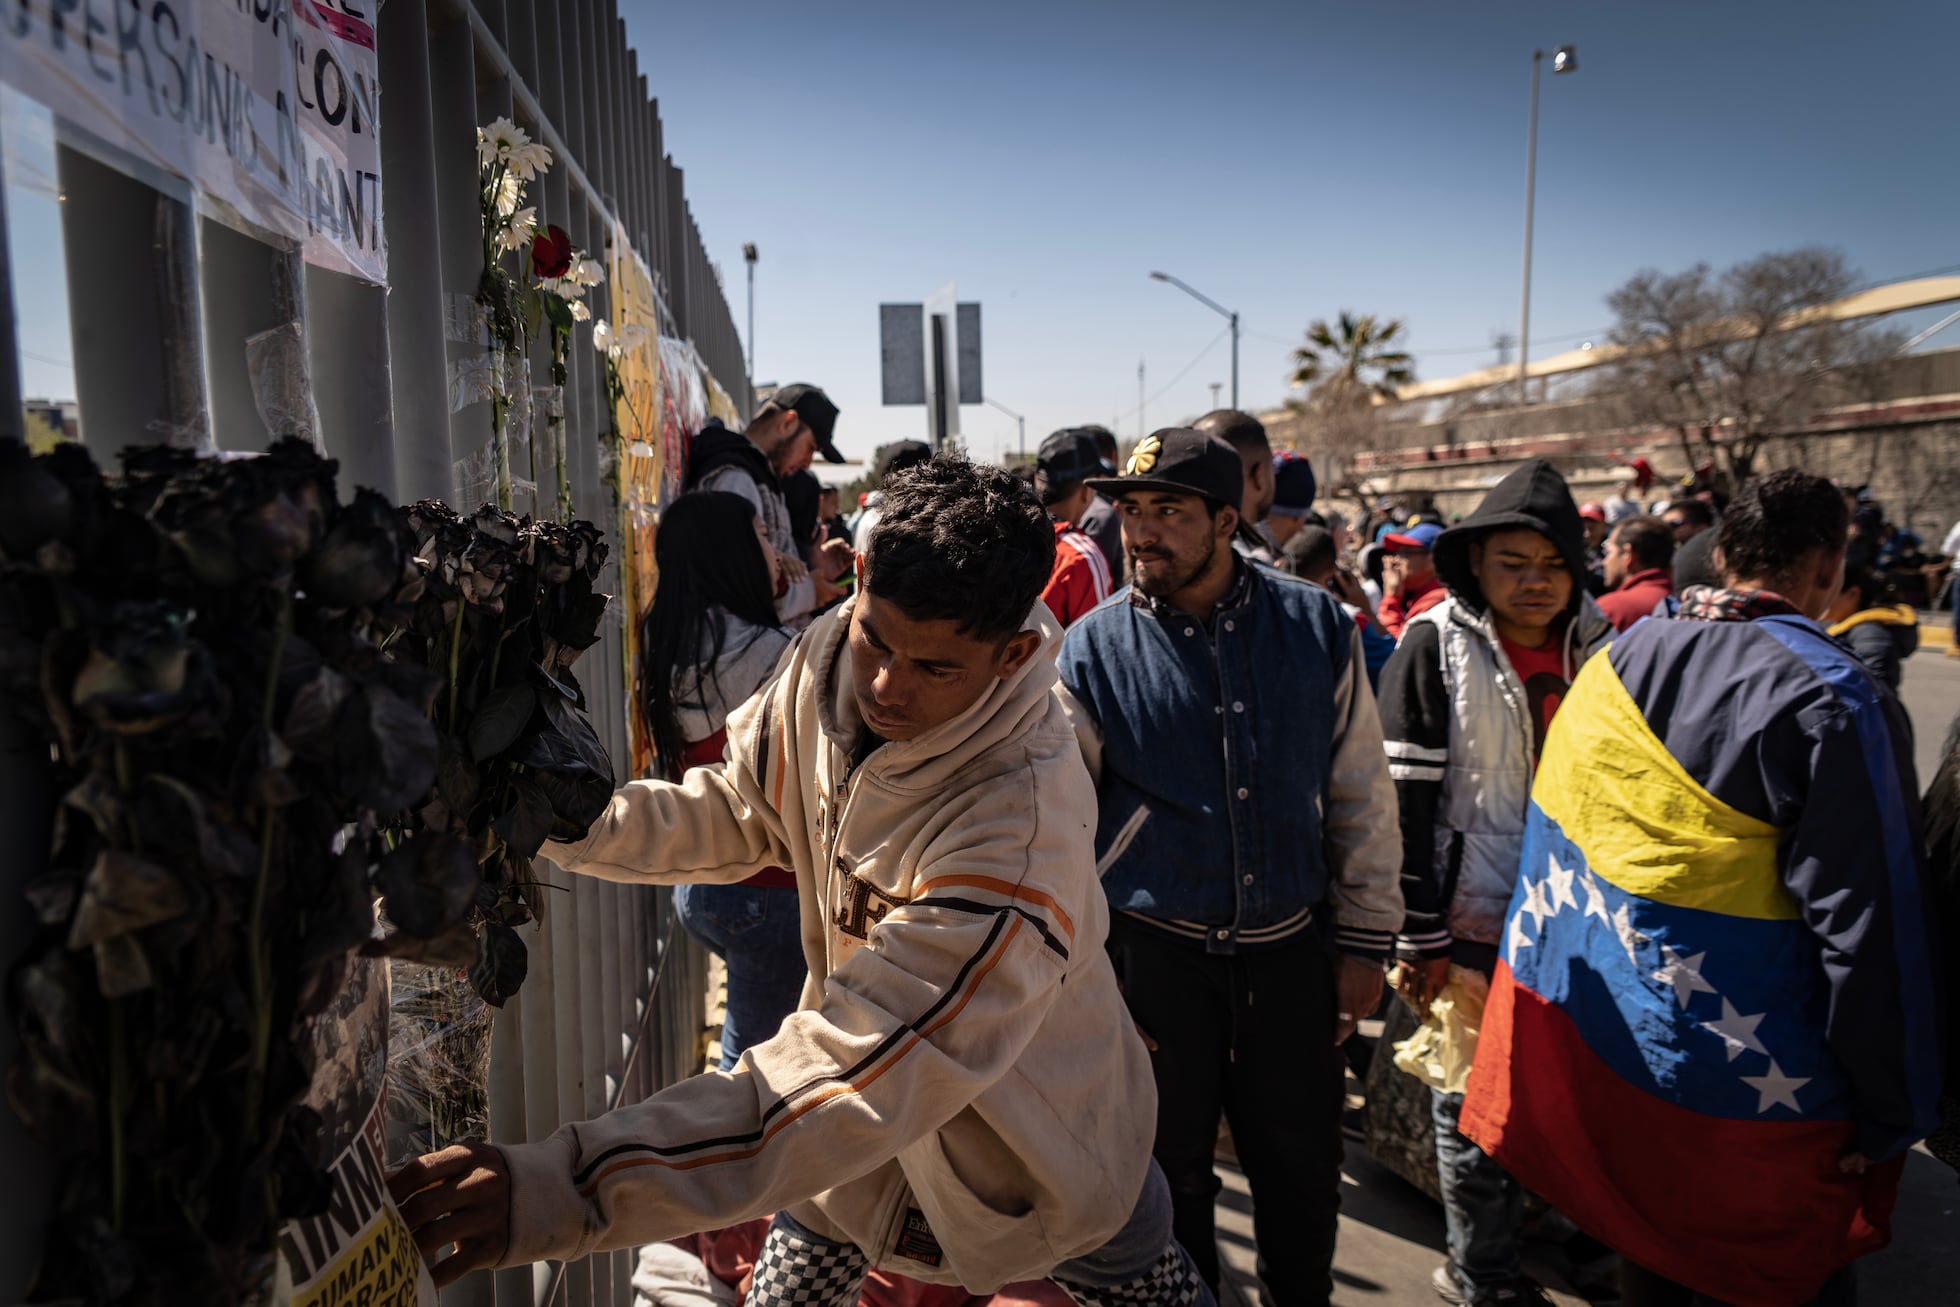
pixel 1248 843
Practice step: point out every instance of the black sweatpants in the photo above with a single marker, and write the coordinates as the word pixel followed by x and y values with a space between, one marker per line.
pixel 1251 1036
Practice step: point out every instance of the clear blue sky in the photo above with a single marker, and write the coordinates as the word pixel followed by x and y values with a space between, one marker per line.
pixel 1288 159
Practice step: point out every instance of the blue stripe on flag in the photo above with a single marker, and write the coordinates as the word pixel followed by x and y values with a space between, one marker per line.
pixel 1690 1006
pixel 1840 668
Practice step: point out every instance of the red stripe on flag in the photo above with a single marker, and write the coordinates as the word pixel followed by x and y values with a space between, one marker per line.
pixel 1754 1213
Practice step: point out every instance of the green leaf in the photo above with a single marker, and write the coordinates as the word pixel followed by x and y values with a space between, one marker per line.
pixel 500 719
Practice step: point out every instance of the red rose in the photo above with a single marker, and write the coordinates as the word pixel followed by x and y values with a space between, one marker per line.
pixel 551 253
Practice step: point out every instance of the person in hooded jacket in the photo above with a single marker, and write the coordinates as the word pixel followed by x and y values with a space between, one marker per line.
pixel 962 1098
pixel 1466 700
pixel 1869 618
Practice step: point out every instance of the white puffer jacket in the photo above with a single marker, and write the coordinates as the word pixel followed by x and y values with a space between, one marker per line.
pixel 1467 729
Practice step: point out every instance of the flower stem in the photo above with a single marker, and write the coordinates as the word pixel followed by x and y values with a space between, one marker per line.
pixel 455 659
pixel 118 1102
pixel 255 950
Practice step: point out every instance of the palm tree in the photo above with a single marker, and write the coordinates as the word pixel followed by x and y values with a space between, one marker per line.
pixel 1357 362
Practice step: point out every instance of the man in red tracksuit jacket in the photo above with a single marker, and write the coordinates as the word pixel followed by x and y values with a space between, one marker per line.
pixel 1081 578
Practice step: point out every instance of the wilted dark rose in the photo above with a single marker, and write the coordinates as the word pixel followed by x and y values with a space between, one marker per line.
pixel 497 524
pixel 138 674
pixel 551 253
pixel 360 561
pixel 480 572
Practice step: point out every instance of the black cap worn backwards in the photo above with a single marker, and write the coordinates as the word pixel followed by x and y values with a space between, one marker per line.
pixel 1183 462
pixel 1070 455
pixel 814 407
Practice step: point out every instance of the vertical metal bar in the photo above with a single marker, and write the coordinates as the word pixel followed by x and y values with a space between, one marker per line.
pixel 539 999
pixel 12 422
pixel 508 1113
pixel 454 118
pixel 417 354
pixel 592 1029
pixel 248 288
pixel 349 342
pixel 521 42
pixel 134 309
pixel 563 923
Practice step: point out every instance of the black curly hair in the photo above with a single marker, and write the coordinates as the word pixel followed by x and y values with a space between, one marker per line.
pixel 1777 522
pixel 961 540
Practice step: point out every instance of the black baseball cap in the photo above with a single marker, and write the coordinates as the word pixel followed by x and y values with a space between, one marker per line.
pixel 1070 455
pixel 1183 462
pixel 814 407
pixel 901 454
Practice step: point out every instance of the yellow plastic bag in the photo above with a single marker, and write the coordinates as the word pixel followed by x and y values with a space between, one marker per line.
pixel 1440 1051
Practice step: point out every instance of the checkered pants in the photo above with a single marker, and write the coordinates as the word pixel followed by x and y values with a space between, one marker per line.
pixel 799 1269
pixel 1172 1282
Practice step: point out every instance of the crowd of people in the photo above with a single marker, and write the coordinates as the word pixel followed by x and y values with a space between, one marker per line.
pixel 1047 822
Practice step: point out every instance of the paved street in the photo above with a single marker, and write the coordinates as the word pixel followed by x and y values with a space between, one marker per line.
pixel 1392 1235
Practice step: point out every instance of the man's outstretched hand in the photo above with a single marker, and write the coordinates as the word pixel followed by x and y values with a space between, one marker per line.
pixel 459 1196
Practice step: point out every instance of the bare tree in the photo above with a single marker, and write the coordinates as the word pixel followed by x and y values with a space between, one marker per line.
pixel 1729 361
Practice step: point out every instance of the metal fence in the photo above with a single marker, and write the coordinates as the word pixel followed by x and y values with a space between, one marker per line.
pixel 169 312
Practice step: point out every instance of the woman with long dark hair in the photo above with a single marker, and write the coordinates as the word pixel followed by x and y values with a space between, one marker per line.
pixel 710 640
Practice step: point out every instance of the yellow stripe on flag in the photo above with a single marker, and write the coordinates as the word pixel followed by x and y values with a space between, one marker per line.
pixel 1640 819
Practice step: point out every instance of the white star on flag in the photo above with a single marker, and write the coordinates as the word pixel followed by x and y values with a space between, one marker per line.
pixel 1534 903
pixel 1776 1088
pixel 1737 1031
pixel 1595 899
pixel 1683 975
pixel 1559 881
pixel 1519 940
pixel 1630 939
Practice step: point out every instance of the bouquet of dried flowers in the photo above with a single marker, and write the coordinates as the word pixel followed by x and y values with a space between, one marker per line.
pixel 507 607
pixel 201 645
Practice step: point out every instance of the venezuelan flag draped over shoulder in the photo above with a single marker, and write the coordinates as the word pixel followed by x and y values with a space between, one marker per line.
pixel 1671 1053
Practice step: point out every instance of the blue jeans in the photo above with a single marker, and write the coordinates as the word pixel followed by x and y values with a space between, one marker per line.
pixel 1483 1206
pixel 756 931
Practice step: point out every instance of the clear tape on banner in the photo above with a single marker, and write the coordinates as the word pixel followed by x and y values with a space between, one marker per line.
pixel 282 383
pixel 475 478
pixel 464 320
pixel 438 1055
pixel 472 380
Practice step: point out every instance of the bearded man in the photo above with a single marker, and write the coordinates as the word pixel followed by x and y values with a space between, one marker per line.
pixel 1246 832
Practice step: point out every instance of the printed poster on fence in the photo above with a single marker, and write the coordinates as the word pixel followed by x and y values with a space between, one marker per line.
pixel 358 1252
pixel 266 107
pixel 643 468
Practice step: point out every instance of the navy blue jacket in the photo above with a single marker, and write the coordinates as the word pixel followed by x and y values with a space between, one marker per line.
pixel 1242 781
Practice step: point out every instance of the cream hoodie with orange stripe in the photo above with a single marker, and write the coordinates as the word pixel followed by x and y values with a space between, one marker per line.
pixel 963 1095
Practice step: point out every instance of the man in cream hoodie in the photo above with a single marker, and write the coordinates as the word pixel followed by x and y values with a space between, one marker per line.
pixel 944 1105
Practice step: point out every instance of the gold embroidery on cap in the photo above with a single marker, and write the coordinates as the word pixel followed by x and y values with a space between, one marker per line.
pixel 1145 457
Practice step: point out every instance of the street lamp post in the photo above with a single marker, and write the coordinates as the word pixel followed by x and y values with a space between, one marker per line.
pixel 749 257
pixel 1020 423
pixel 1565 59
pixel 1215 307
